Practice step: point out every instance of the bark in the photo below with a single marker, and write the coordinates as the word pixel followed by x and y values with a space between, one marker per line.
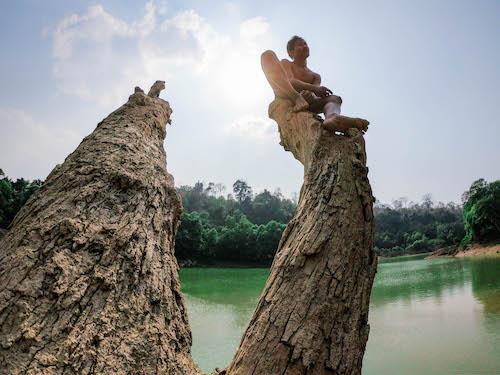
pixel 313 312
pixel 88 279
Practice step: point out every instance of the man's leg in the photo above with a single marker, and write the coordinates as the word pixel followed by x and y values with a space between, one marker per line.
pixel 279 82
pixel 334 120
pixel 329 105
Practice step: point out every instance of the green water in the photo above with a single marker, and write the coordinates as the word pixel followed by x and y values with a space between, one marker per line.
pixel 427 317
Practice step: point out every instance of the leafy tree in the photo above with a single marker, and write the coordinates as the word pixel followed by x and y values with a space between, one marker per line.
pixel 481 212
pixel 407 227
pixel 267 207
pixel 13 195
pixel 215 227
pixel 450 233
pixel 195 238
pixel 242 191
pixel 237 240
pixel 189 239
pixel 268 238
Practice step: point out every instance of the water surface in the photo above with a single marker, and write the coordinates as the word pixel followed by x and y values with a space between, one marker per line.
pixel 432 317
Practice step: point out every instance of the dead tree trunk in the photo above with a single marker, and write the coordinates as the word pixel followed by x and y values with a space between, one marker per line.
pixel 88 279
pixel 312 315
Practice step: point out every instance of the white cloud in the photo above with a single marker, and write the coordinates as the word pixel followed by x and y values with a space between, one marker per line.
pixel 253 28
pixel 32 147
pixel 190 25
pixel 100 58
pixel 163 8
pixel 148 22
pixel 254 128
pixel 97 26
pixel 85 62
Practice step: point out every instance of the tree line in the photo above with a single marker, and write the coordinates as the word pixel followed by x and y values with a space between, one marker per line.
pixel 245 228
pixel 13 195
pixel 409 228
pixel 240 227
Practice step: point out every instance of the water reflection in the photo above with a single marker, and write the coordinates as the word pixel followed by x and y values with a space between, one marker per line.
pixel 432 317
pixel 485 277
pixel 239 288
pixel 416 279
pixel 220 303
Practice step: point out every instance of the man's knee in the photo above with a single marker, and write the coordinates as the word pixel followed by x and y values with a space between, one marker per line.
pixel 268 56
pixel 335 99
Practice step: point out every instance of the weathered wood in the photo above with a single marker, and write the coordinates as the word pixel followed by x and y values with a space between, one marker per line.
pixel 88 279
pixel 313 312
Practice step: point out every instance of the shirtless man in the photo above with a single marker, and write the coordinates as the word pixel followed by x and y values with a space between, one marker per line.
pixel 293 80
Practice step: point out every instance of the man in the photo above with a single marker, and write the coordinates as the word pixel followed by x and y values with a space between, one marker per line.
pixel 294 81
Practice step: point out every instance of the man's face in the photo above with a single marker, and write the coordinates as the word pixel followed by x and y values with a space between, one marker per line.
pixel 300 49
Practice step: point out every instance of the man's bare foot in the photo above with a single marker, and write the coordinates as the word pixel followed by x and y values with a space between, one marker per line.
pixel 333 123
pixel 343 123
pixel 362 124
pixel 300 104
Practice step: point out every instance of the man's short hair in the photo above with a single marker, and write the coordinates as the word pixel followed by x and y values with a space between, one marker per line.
pixel 291 43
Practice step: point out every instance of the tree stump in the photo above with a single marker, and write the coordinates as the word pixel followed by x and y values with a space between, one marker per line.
pixel 313 312
pixel 88 279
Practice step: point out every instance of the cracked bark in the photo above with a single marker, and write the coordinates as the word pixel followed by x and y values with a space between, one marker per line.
pixel 88 280
pixel 313 312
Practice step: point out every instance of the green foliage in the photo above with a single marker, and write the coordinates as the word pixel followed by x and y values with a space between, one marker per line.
pixel 268 238
pixel 242 191
pixel 13 195
pixel 242 230
pixel 246 228
pixel 237 239
pixel 409 228
pixel 267 206
pixel 481 214
pixel 189 240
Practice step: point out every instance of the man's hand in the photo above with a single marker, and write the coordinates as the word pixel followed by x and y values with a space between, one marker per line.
pixel 307 95
pixel 322 91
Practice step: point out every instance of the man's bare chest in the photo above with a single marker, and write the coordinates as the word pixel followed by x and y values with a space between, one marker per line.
pixel 303 74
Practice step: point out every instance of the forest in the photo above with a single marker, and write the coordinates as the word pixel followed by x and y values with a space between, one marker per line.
pixel 244 228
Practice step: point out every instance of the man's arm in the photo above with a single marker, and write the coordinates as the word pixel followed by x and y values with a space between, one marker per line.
pixel 317 80
pixel 321 91
pixel 296 83
pixel 299 85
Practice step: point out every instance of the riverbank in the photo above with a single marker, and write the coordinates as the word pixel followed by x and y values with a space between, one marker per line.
pixel 187 263
pixel 403 258
pixel 474 250
pixel 479 250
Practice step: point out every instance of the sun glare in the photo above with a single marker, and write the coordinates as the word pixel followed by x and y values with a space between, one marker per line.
pixel 240 81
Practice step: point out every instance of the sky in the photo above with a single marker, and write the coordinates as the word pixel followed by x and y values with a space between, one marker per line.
pixel 424 73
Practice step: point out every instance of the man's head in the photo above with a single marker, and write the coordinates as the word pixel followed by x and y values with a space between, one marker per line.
pixel 297 48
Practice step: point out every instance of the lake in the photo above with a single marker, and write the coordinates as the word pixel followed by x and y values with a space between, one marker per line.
pixel 433 317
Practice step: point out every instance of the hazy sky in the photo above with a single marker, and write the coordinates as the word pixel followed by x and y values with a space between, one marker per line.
pixel 425 73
